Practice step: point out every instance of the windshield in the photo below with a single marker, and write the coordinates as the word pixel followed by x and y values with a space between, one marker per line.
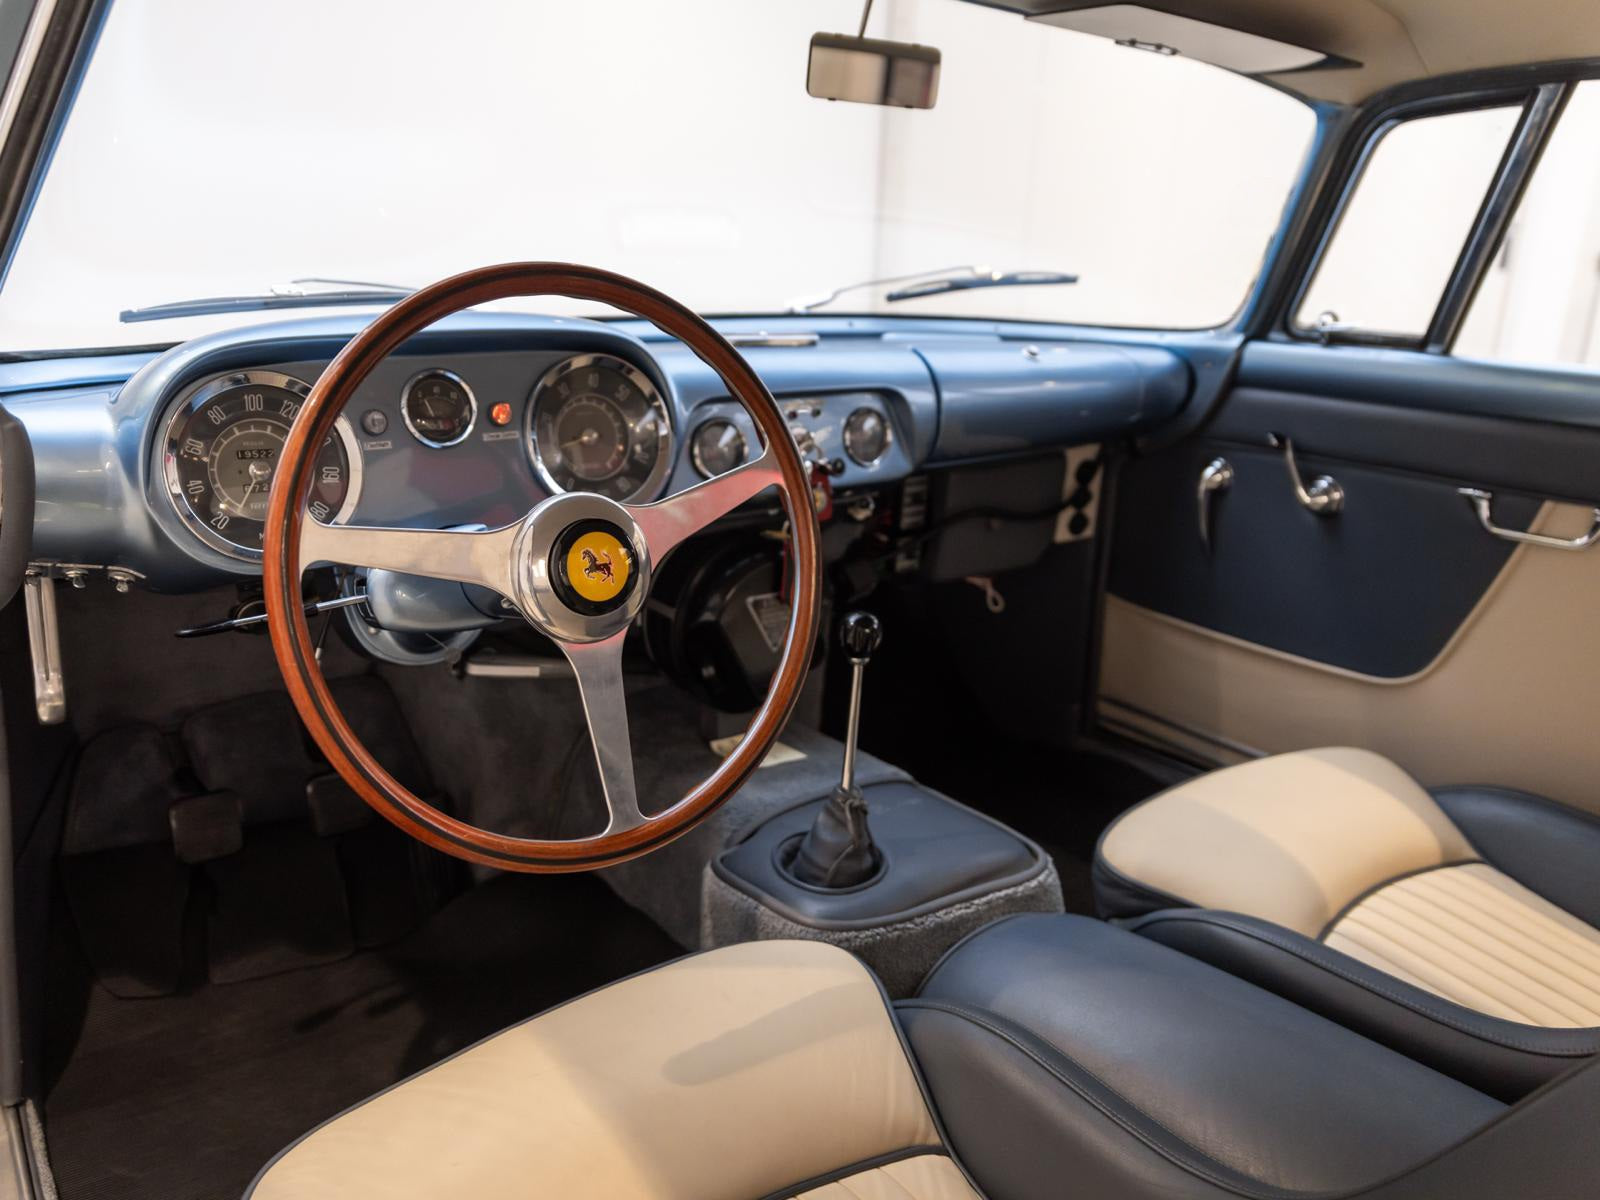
pixel 222 149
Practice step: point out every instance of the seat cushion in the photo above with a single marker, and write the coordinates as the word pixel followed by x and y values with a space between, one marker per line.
pixel 1431 923
pixel 1293 838
pixel 1060 1048
pixel 764 1069
pixel 1476 936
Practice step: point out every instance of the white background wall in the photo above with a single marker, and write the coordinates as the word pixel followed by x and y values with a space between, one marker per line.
pixel 221 146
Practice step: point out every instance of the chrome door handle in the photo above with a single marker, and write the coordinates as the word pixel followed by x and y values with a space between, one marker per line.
pixel 1481 500
pixel 1322 496
pixel 1216 477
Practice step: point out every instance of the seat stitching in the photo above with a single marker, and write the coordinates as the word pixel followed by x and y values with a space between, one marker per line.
pixel 1408 901
pixel 889 1175
pixel 1265 1191
pixel 1414 1004
pixel 1450 977
pixel 1385 964
pixel 1471 888
pixel 1508 933
pixel 1465 956
pixel 1469 891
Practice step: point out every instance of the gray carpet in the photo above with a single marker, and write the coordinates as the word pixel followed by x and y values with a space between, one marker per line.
pixel 185 1097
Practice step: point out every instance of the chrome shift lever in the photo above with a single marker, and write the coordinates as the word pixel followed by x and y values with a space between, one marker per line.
pixel 837 851
pixel 860 633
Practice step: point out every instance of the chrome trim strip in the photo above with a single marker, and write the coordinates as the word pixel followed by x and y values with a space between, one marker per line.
pixel 44 647
pixel 22 66
pixel 1187 730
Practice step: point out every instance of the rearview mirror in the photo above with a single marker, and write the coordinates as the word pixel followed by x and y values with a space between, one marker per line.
pixel 873 71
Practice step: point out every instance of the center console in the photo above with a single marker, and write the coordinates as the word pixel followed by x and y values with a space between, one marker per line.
pixel 892 871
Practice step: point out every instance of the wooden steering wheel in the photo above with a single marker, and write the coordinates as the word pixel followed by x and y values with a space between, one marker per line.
pixel 577 567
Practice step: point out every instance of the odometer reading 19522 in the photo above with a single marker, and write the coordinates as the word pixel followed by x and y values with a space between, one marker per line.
pixel 222 447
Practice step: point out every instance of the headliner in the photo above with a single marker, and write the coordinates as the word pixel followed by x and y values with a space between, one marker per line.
pixel 1393 40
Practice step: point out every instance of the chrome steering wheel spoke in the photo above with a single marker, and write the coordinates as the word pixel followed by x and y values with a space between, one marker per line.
pixel 466 556
pixel 668 522
pixel 598 666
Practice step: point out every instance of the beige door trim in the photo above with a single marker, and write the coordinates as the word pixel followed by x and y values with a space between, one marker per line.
pixel 1511 699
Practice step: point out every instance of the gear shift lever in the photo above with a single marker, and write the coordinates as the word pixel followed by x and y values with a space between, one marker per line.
pixel 837 851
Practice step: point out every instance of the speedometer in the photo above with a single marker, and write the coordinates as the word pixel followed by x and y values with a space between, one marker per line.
pixel 598 424
pixel 222 446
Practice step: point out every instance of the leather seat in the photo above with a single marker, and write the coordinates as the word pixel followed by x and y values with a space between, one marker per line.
pixel 1070 1058
pixel 1461 927
pixel 763 1069
pixel 1065 1057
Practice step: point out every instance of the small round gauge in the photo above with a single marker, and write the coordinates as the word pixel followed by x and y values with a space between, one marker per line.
pixel 222 445
pixel 598 424
pixel 866 436
pixel 717 447
pixel 439 408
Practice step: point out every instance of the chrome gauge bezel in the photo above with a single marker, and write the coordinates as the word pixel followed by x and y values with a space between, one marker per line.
pixel 888 435
pixel 472 407
pixel 694 446
pixel 657 478
pixel 197 397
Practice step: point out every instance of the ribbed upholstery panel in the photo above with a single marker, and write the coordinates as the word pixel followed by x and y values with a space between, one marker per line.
pixel 1476 936
pixel 926 1177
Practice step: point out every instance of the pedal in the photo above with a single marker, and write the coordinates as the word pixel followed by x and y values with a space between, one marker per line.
pixel 335 807
pixel 207 827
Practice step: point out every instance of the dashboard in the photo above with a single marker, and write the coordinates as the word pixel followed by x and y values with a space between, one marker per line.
pixel 154 468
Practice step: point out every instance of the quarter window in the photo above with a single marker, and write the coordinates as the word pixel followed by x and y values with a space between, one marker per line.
pixel 1397 242
pixel 1539 302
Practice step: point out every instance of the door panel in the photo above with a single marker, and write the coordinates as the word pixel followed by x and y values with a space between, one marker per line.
pixel 1399 625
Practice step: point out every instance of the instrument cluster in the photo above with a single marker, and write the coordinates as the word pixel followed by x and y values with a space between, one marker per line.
pixel 590 422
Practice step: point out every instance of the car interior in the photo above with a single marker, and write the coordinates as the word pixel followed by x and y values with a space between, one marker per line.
pixel 678 698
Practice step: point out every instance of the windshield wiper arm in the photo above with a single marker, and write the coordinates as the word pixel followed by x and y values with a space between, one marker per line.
pixel 979 279
pixel 302 293
pixel 932 283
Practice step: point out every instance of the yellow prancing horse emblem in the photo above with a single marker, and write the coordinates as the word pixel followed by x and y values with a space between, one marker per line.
pixel 597 566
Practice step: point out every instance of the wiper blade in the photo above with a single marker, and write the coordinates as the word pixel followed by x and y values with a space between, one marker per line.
pixel 979 279
pixel 302 293
pixel 932 283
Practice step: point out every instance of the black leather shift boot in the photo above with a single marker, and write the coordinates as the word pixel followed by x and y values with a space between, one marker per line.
pixel 837 851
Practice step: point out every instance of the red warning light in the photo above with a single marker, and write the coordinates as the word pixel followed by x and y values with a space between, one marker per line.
pixel 500 414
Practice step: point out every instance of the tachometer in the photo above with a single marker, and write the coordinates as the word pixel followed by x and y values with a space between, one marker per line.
pixel 222 445
pixel 598 424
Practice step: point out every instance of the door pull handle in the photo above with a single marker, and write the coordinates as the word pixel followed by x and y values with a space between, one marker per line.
pixel 1322 496
pixel 1216 477
pixel 1481 502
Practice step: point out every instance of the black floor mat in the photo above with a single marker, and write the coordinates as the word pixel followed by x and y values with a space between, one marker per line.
pixel 185 1097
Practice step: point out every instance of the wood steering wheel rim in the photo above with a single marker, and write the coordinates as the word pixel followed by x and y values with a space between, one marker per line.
pixel 659 527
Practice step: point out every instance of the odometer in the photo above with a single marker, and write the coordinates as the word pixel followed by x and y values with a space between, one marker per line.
pixel 598 424
pixel 222 447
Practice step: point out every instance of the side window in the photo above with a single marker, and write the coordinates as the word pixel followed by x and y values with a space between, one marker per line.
pixel 1402 231
pixel 1539 302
